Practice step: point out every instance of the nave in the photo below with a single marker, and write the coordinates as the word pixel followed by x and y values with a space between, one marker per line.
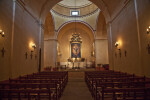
pixel 76 85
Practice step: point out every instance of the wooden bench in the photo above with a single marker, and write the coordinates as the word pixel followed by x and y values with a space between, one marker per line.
pixel 53 87
pixel 28 94
pixel 125 94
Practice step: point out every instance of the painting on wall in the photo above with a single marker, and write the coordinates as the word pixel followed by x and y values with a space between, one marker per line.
pixel 75 50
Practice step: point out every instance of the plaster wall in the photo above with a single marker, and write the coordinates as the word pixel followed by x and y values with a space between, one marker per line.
pixel 124 30
pixel 50 51
pixel 143 18
pixel 101 49
pixel 25 30
pixel 5 42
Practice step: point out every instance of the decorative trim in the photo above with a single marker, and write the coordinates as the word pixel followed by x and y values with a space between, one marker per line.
pixel 22 5
pixel 125 4
pixel 71 7
pixel 50 40
pixel 65 16
pixel 85 23
pixel 101 39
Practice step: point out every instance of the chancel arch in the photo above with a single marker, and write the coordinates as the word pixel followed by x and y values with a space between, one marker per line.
pixel 64 43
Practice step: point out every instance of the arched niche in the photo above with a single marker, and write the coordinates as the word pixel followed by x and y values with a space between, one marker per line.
pixel 101 41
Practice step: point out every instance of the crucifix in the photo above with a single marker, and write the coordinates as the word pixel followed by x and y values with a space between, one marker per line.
pixel 115 54
pixel 26 54
pixel 148 48
pixel 119 52
pixel 125 53
pixel 3 52
pixel 31 54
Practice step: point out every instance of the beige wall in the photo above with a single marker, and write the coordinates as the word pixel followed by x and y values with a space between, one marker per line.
pixel 124 32
pixel 129 28
pixel 101 51
pixel 24 29
pixel 143 18
pixel 50 51
pixel 6 26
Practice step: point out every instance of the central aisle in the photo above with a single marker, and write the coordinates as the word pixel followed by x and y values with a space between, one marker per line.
pixel 76 88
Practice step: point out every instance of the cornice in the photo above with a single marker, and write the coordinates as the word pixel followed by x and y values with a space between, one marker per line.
pixel 65 16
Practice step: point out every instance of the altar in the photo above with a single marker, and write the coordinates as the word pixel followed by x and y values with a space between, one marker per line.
pixel 76 64
pixel 72 65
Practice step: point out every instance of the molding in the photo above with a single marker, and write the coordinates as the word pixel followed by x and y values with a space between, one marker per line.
pixel 139 37
pixel 77 7
pixel 125 4
pixel 101 39
pixel 65 16
pixel 22 5
pixel 68 22
pixel 50 40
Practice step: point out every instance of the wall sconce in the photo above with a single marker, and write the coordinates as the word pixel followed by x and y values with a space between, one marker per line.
pixel 33 46
pixel 148 30
pixel 116 44
pixel 2 33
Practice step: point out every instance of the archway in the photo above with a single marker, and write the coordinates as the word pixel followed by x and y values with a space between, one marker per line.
pixel 95 36
pixel 87 46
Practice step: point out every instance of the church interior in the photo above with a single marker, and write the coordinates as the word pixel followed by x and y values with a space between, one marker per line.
pixel 74 50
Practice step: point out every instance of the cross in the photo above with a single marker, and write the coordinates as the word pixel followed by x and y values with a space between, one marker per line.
pixel 31 54
pixel 148 48
pixel 119 52
pixel 125 53
pixel 26 54
pixel 115 54
pixel 3 52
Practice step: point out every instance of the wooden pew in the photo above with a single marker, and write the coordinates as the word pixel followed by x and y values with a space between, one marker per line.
pixel 125 94
pixel 39 81
pixel 53 87
pixel 104 85
pixel 29 94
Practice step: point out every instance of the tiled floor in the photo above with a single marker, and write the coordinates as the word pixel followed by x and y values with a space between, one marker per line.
pixel 76 88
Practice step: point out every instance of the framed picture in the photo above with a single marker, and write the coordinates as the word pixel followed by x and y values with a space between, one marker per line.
pixel 75 50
